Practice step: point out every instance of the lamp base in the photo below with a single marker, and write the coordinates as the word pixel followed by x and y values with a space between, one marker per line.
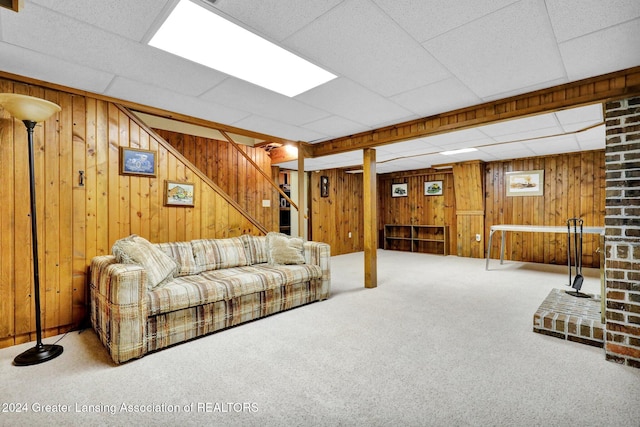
pixel 38 354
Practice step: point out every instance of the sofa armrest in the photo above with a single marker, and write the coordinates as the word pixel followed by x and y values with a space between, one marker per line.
pixel 119 307
pixel 318 253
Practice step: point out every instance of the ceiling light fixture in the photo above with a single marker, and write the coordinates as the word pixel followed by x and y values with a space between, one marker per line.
pixel 460 151
pixel 197 34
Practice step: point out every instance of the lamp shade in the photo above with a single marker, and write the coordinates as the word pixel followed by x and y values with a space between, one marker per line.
pixel 30 108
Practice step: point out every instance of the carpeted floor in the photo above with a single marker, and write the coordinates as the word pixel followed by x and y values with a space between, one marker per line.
pixel 440 342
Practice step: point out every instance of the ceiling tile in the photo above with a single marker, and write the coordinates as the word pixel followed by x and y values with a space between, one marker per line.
pixel 508 151
pixel 593 54
pixel 427 19
pixel 275 19
pixel 335 126
pixel 140 92
pixel 345 98
pixel 578 118
pixel 273 127
pixel 527 127
pixel 45 67
pixel 509 49
pixel 446 95
pixel 554 145
pixel 592 139
pixel 130 19
pixel 575 18
pixel 245 96
pixel 377 49
pixel 459 139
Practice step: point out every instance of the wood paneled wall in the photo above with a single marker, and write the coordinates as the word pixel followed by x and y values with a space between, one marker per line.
pixel 333 217
pixel 418 208
pixel 574 186
pixel 231 171
pixel 80 220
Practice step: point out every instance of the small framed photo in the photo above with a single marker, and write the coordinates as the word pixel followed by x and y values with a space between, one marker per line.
pixel 136 161
pixel 324 186
pixel 179 193
pixel 399 190
pixel 433 188
pixel 525 183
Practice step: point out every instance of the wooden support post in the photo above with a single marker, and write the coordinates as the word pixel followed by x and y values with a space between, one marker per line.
pixel 301 193
pixel 370 197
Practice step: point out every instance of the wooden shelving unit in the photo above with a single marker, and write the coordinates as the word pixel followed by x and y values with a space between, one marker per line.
pixel 417 238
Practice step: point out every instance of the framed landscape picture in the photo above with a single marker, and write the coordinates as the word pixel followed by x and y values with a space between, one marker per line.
pixel 179 194
pixel 433 188
pixel 399 190
pixel 136 161
pixel 525 183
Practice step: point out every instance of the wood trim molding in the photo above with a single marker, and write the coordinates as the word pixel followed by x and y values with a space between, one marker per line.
pixel 617 85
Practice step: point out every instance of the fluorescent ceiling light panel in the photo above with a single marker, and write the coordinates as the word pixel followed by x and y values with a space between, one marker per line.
pixel 460 151
pixel 197 34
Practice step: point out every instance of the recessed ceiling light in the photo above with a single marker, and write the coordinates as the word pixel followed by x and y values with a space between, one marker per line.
pixel 460 151
pixel 197 34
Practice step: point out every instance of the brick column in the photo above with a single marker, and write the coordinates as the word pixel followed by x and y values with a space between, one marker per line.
pixel 622 231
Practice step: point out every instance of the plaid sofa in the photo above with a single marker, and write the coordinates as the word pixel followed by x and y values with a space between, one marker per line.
pixel 217 283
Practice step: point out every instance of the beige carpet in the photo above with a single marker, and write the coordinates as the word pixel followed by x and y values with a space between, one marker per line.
pixel 440 342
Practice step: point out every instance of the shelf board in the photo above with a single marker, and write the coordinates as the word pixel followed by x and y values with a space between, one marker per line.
pixel 434 234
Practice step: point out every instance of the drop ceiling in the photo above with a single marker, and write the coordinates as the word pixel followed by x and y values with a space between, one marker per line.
pixel 396 60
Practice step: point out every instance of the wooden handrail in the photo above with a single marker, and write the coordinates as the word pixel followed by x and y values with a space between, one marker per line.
pixel 255 165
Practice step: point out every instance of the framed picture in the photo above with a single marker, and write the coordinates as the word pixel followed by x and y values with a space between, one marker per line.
pixel 525 183
pixel 136 161
pixel 399 190
pixel 433 188
pixel 179 193
pixel 324 186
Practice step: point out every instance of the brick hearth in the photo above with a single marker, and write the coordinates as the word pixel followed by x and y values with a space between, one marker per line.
pixel 575 319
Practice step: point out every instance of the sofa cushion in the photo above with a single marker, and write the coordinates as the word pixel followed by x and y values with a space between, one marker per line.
pixel 222 285
pixel 255 248
pixel 282 249
pixel 159 266
pixel 214 254
pixel 182 253
pixel 209 287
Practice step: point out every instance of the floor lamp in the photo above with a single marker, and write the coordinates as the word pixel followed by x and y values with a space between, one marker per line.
pixel 31 111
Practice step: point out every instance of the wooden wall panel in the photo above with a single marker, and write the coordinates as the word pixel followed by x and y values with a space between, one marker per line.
pixel 78 220
pixel 333 217
pixel 231 172
pixel 468 179
pixel 417 208
pixel 574 186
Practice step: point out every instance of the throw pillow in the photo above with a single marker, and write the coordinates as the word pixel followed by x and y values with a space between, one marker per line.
pixel 182 254
pixel 282 249
pixel 134 249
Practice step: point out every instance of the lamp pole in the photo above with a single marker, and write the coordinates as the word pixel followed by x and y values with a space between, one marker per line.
pixel 32 110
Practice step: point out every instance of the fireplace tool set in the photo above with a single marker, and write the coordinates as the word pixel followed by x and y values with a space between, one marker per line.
pixel 575 281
